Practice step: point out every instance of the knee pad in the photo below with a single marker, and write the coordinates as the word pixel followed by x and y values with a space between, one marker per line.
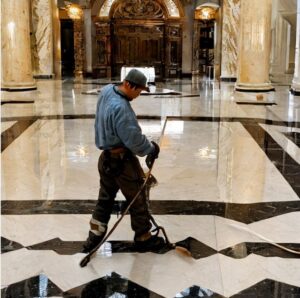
pixel 97 227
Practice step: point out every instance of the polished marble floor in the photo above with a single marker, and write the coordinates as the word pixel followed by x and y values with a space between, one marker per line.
pixel 228 194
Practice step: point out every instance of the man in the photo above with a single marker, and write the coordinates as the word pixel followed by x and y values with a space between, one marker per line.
pixel 120 137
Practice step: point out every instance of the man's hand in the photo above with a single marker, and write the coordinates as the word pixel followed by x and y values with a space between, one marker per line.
pixel 152 156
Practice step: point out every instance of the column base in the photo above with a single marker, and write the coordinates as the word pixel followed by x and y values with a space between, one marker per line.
pixel 295 92
pixel 266 87
pixel 228 79
pixel 18 87
pixel 295 88
pixel 18 90
pixel 78 76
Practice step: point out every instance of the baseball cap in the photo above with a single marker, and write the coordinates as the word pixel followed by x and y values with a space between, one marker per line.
pixel 138 78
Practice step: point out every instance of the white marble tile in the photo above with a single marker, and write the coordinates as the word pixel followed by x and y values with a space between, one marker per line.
pixel 287 108
pixel 6 125
pixel 279 229
pixel 59 161
pixel 245 174
pixel 186 168
pixel 197 164
pixel 166 274
pixel 203 161
pixel 153 271
pixel 33 229
pixel 240 274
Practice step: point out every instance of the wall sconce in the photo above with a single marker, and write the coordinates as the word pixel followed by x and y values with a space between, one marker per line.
pixel 205 13
pixel 74 11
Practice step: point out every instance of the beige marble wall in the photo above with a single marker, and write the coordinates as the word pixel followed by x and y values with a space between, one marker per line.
pixel 231 21
pixel 254 46
pixel 15 45
pixel 43 32
pixel 280 51
pixel 296 79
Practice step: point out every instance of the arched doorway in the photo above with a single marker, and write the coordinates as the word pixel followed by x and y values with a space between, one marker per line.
pixel 138 33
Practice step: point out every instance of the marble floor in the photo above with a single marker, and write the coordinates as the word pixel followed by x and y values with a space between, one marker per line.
pixel 228 194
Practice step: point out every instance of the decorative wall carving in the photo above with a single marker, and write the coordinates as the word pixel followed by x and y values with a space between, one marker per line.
pixel 139 9
pixel 173 10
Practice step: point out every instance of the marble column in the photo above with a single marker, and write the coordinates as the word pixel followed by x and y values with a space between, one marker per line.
pixel 16 53
pixel 296 80
pixel 88 40
pixel 254 46
pixel 196 48
pixel 231 22
pixel 78 49
pixel 187 39
pixel 43 32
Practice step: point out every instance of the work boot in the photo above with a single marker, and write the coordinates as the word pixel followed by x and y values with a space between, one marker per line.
pixel 92 241
pixel 153 244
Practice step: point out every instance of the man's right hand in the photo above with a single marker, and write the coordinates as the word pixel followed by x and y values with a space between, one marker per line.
pixel 152 156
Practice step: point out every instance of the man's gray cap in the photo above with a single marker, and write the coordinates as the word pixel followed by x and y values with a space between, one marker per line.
pixel 138 78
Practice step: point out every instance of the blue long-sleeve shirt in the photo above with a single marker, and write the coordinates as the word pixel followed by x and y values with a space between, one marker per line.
pixel 116 124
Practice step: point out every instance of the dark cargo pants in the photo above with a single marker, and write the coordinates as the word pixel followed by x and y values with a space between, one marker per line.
pixel 128 177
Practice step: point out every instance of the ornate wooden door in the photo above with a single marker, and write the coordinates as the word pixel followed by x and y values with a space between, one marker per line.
pixel 138 33
pixel 138 45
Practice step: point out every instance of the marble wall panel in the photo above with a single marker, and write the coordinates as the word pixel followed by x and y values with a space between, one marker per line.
pixel 42 31
pixel 231 20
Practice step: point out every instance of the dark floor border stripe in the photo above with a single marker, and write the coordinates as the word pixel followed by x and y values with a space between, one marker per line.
pixel 4 102
pixel 69 117
pixel 245 213
pixel 286 165
pixel 12 133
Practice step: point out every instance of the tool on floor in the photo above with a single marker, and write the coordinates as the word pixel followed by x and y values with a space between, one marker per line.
pixel 158 228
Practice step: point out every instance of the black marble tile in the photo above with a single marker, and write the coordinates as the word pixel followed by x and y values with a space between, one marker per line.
pixel 294 137
pixel 196 248
pixel 59 246
pixel 111 286
pixel 38 286
pixel 195 292
pixel 269 289
pixel 9 245
pixel 242 250
pixel 128 246
pixel 245 213
pixel 72 247
pixel 264 289
pixel 256 103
